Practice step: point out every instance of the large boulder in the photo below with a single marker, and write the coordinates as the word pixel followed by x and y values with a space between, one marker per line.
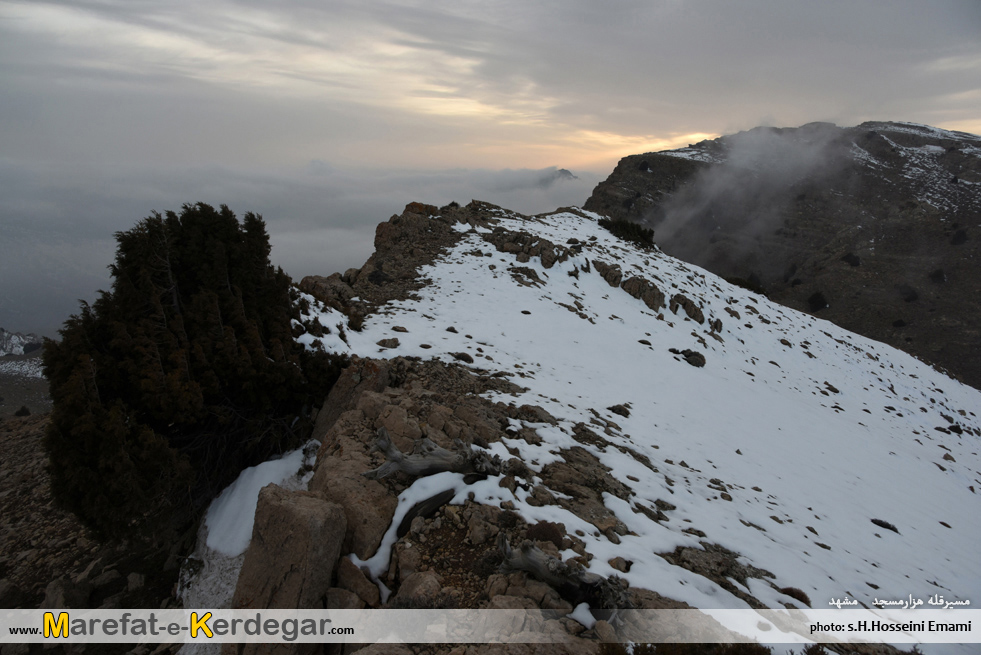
pixel 332 290
pixel 644 290
pixel 296 541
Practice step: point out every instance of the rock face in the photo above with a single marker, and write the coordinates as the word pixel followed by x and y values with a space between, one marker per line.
pixel 402 244
pixel 872 227
pixel 398 395
pixel 296 538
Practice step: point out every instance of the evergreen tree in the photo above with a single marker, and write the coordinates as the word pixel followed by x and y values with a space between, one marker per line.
pixel 181 375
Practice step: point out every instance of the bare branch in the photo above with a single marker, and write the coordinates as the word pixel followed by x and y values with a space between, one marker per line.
pixel 574 584
pixel 428 458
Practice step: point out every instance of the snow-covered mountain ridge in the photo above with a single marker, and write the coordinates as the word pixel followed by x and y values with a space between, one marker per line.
pixel 784 447
pixel 15 343
pixel 872 227
pixel 533 389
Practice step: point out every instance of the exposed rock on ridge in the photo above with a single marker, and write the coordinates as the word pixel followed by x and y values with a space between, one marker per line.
pixel 872 227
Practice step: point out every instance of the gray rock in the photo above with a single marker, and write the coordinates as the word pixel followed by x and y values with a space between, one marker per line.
pixel 360 376
pixel 61 593
pixel 605 632
pixel 296 539
pixel 93 568
pixel 106 578
pixel 350 276
pixel 367 504
pixel 418 589
pixel 408 560
pixel 10 595
pixel 135 581
pixel 350 577
pixel 343 599
pixel 611 273
pixel 693 311
pixel 480 531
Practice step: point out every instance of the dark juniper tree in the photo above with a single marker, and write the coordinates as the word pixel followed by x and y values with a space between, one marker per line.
pixel 182 374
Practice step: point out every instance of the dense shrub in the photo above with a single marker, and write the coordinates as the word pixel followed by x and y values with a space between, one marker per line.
pixel 180 376
pixel 752 283
pixel 629 231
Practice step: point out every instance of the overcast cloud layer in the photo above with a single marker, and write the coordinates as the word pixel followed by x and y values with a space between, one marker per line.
pixel 329 116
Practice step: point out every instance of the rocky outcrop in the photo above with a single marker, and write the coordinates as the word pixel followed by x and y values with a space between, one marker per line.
pixel 296 539
pixel 408 241
pixel 525 246
pixel 332 290
pixel 644 290
pixel 870 227
pixel 692 310
pixel 444 555
pixel 693 357
pixel 397 396
pixel 403 244
pixel 609 272
pixel 367 504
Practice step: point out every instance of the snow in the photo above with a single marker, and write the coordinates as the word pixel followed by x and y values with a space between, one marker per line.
pixel 582 614
pixel 923 130
pixel 811 440
pixel 24 368
pixel 826 442
pixel 925 173
pixel 13 343
pixel 694 154
pixel 230 516
pixel 227 528
pixel 860 154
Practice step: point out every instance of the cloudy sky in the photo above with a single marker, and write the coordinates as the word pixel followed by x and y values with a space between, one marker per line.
pixel 328 116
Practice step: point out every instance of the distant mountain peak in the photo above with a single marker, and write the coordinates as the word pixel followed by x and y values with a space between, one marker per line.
pixel 15 343
pixel 880 220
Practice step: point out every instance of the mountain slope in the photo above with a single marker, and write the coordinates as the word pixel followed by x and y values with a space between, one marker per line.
pixel 872 227
pixel 15 343
pixel 778 463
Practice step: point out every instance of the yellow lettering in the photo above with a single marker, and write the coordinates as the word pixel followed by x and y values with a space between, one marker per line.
pixel 53 628
pixel 200 624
